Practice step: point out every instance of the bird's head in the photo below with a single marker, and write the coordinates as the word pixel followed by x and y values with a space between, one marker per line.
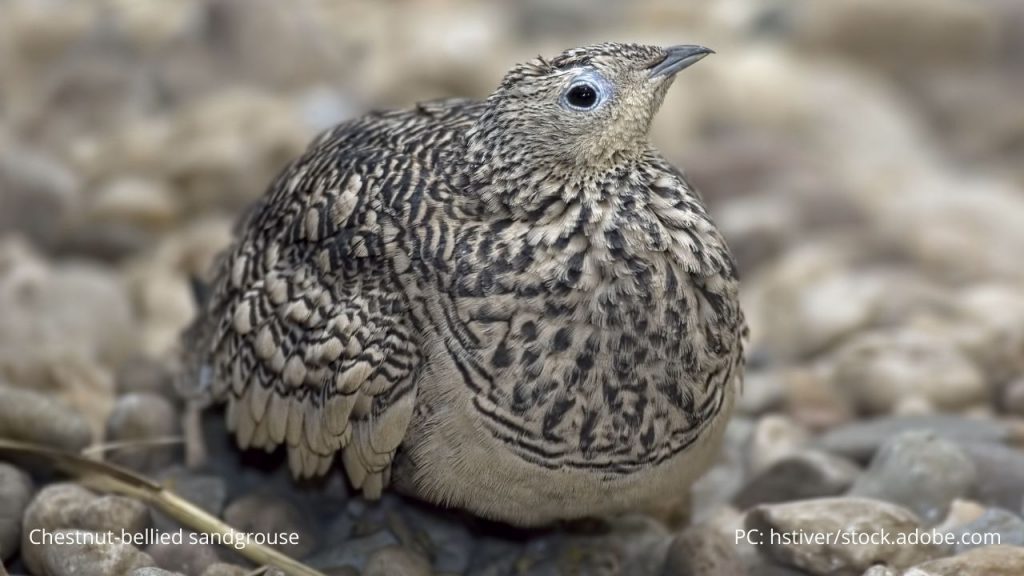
pixel 584 108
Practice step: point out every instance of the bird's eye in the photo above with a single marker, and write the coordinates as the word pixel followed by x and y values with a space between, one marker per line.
pixel 582 96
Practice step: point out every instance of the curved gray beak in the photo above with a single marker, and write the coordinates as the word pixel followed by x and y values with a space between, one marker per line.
pixel 678 58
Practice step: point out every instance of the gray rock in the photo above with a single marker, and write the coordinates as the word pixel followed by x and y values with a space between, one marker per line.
pixel 32 417
pixel 15 493
pixel 38 195
pixel 860 440
pixel 987 561
pixel 920 471
pixel 448 540
pixel 832 536
pixel 879 370
pixel 145 375
pixel 880 570
pixel 702 551
pixel 265 513
pixel 184 557
pixel 204 490
pixel 808 474
pixel 1012 398
pixel 151 571
pixel 224 569
pixel 396 561
pixel 354 552
pixel 775 436
pixel 494 557
pixel 720 483
pixel 69 506
pixel 85 553
pixel 1008 526
pixel 139 417
pixel 1000 474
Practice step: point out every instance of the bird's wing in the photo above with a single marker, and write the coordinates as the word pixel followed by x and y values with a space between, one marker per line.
pixel 308 335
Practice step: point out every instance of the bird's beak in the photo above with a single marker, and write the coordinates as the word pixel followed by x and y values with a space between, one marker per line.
pixel 678 58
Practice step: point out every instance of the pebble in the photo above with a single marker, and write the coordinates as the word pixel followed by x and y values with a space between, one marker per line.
pixel 31 417
pixel 880 570
pixel 15 494
pixel 860 440
pixel 85 553
pixel 70 506
pixel 396 561
pixel 845 516
pixel 987 561
pixel 702 551
pixel 725 478
pixel 763 391
pixel 224 569
pixel 152 571
pixel 141 374
pixel 995 521
pixel 187 558
pixel 354 552
pixel 449 540
pixel 775 436
pixel 1000 474
pixel 265 513
pixel 879 370
pixel 204 490
pixel 139 417
pixel 807 474
pixel 39 196
pixel 920 471
pixel 961 512
pixel 1012 398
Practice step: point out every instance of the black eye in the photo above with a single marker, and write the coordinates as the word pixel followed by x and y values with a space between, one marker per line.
pixel 582 96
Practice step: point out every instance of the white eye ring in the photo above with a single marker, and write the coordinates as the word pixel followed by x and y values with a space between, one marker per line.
pixel 587 92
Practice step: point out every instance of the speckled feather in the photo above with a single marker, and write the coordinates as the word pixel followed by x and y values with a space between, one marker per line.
pixel 549 279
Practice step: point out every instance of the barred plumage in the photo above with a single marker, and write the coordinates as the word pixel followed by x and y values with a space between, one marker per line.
pixel 517 303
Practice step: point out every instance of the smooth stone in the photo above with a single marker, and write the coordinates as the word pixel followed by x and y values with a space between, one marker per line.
pixel 39 196
pixel 702 551
pixel 266 513
pixel 153 571
pixel 449 542
pixel 763 391
pixel 775 437
pixel 16 490
pixel 961 512
pixel 70 506
pixel 31 417
pixel 354 552
pixel 879 370
pixel 1000 478
pixel 860 440
pixel 145 375
pixel 88 555
pixel 920 471
pixel 1008 526
pixel 810 521
pixel 224 569
pixel 396 561
pixel 987 561
pixel 138 417
pixel 880 570
pixel 206 491
pixel 187 558
pixel 1012 398
pixel 725 478
pixel 799 476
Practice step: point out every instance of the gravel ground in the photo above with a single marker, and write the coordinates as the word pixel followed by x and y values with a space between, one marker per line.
pixel 863 158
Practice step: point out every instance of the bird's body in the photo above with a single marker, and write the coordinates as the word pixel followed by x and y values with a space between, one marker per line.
pixel 536 333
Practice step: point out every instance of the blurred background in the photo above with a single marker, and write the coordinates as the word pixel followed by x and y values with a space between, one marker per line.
pixel 864 158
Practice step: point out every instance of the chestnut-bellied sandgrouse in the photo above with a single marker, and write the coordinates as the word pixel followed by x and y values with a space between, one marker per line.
pixel 514 306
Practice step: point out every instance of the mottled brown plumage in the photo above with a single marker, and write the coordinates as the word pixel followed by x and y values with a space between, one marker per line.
pixel 515 306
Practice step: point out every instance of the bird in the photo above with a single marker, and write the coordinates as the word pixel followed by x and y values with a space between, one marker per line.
pixel 513 306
